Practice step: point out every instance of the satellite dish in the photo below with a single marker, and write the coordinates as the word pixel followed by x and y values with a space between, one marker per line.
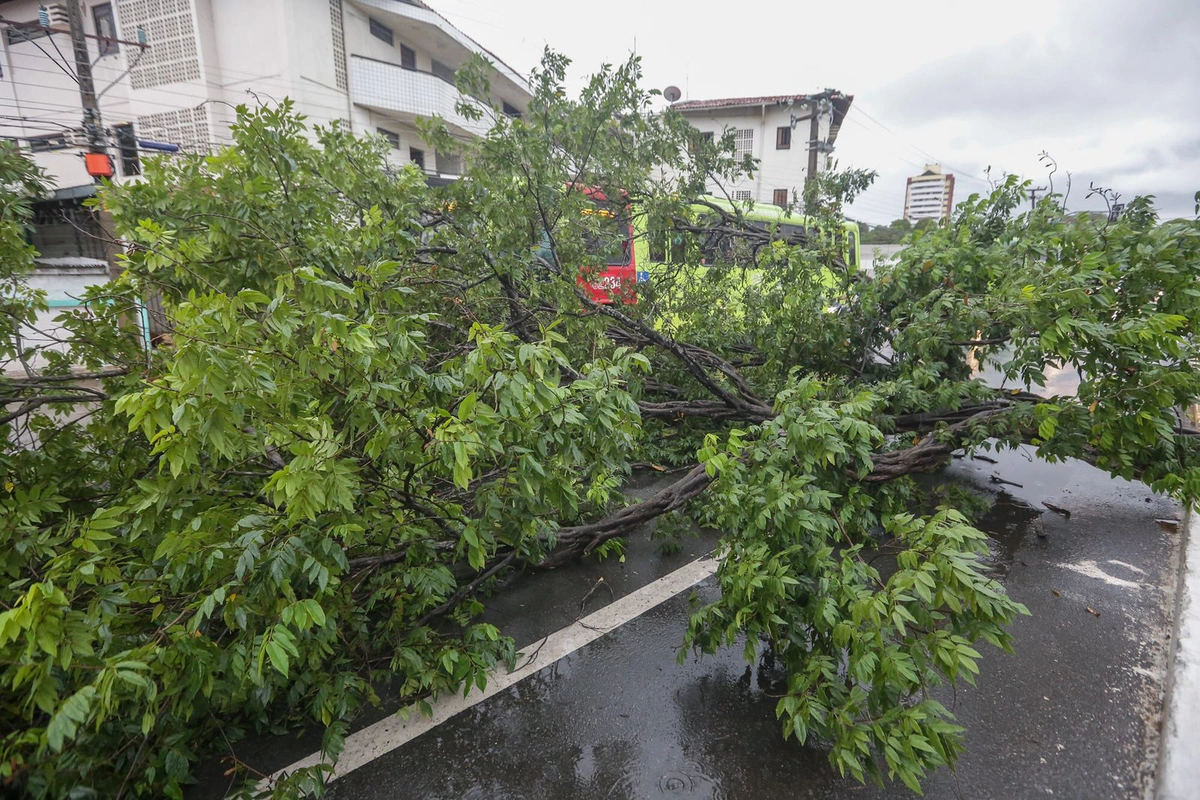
pixel 672 93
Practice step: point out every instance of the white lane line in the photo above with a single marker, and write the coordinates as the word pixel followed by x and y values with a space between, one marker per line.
pixel 1091 569
pixel 386 735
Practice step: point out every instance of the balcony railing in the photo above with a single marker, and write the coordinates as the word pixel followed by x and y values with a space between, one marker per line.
pixel 408 93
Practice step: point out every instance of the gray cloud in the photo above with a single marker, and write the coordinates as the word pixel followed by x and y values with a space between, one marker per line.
pixel 1122 60
pixel 1111 89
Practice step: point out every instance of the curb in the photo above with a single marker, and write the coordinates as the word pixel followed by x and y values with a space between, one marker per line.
pixel 1179 764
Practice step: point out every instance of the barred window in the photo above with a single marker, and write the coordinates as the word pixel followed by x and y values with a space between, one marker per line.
pixel 743 142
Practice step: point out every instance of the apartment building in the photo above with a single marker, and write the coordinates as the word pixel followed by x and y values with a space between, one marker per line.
pixel 929 195
pixel 792 136
pixel 374 66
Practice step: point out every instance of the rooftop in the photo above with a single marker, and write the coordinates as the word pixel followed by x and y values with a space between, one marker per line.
pixel 841 104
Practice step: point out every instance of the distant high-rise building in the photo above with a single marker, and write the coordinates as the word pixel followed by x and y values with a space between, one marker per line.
pixel 930 195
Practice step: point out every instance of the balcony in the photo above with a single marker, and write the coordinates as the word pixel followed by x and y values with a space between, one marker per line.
pixel 433 33
pixel 408 94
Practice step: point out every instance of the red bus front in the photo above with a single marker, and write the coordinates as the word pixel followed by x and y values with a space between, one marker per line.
pixel 615 280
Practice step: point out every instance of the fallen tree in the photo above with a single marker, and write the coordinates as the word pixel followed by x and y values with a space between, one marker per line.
pixel 376 398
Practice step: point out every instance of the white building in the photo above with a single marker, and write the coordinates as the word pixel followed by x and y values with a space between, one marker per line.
pixel 373 65
pixel 792 136
pixel 929 195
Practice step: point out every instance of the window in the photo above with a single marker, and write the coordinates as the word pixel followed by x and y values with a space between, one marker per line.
pixel 381 31
pixel 743 143
pixel 796 234
pixel 783 137
pixel 441 70
pixel 408 57
pixel 392 137
pixel 449 163
pixel 49 141
pixel 611 236
pixel 128 147
pixel 741 195
pixel 668 246
pixel 781 195
pixel 16 35
pixel 417 157
pixel 106 28
pixel 511 111
pixel 64 228
pixel 700 136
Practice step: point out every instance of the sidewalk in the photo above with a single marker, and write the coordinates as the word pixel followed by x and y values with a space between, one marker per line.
pixel 1179 774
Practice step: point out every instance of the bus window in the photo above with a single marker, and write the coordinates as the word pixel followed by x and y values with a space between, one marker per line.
pixel 667 247
pixel 793 234
pixel 852 249
pixel 657 242
pixel 708 241
pixel 677 247
pixel 611 239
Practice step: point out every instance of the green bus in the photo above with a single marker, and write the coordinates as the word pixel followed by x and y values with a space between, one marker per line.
pixel 653 251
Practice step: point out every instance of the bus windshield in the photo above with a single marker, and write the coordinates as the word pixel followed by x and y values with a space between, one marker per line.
pixel 611 237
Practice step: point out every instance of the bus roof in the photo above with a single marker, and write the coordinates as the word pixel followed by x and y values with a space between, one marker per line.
pixel 761 212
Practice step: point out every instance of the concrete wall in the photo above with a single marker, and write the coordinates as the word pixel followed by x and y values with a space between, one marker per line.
pixel 63 287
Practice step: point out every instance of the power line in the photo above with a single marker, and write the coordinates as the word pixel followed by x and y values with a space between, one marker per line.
pixel 893 152
pixel 342 110
pixel 881 206
pixel 923 153
pixel 234 76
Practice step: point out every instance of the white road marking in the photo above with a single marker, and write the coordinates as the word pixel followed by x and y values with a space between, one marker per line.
pixel 386 735
pixel 1129 567
pixel 1093 570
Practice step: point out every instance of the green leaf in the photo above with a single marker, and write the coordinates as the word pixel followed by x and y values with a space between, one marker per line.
pixel 278 657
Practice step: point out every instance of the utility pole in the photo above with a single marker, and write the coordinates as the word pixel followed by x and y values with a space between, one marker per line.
pixel 93 129
pixel 1033 193
pixel 814 136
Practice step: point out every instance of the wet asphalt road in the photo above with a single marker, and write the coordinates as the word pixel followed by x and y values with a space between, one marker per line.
pixel 1075 713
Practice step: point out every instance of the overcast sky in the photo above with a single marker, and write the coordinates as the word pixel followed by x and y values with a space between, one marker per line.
pixel 1110 88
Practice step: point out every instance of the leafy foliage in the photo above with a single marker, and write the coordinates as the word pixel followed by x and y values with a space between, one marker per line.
pixel 377 397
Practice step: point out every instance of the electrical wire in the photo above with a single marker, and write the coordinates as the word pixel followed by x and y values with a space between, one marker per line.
pixel 923 153
pixel 15 118
pixel 233 76
pixel 62 66
pixel 341 110
pixel 875 132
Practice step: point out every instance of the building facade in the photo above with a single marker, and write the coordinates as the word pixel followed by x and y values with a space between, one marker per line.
pixel 929 195
pixel 792 136
pixel 372 65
